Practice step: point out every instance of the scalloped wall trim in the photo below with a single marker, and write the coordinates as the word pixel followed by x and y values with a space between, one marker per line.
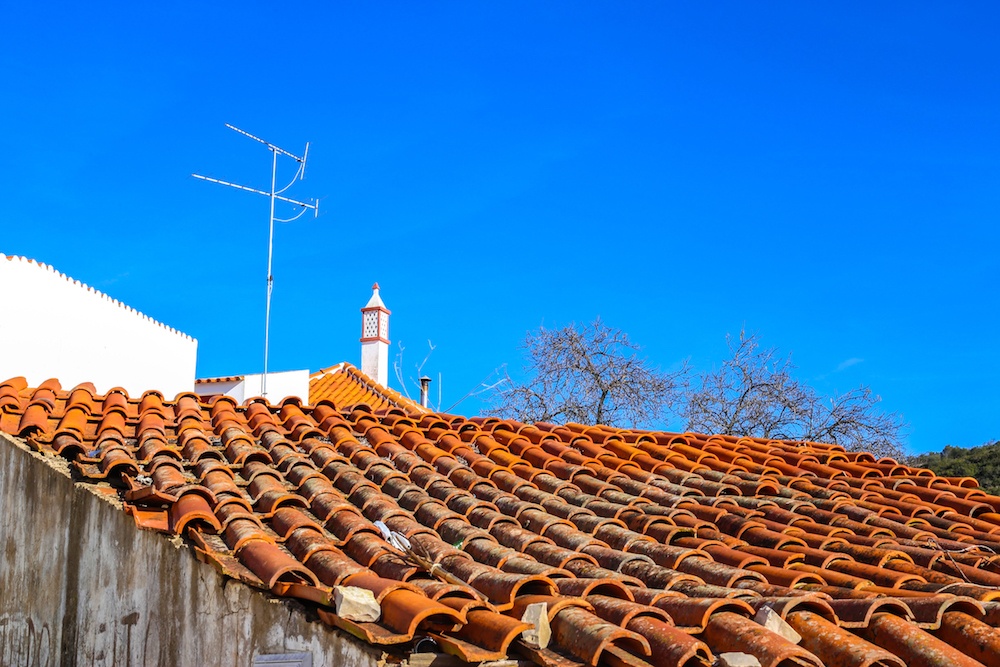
pixel 93 290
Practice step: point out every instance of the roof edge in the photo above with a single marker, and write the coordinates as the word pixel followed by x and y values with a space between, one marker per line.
pixel 219 380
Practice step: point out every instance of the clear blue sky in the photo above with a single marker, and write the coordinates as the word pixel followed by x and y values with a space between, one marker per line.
pixel 826 176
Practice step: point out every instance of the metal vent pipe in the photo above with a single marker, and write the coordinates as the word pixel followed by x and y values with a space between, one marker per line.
pixel 425 385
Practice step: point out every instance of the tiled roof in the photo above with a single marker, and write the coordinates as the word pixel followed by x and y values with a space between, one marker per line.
pixel 344 386
pixel 646 547
pixel 219 380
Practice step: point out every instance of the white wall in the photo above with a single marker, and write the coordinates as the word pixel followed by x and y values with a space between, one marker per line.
pixel 232 388
pixel 375 361
pixel 54 327
pixel 279 386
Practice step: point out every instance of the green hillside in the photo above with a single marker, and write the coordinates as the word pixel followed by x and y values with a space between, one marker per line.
pixel 981 462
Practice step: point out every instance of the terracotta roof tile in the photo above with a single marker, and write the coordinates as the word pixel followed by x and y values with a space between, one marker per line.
pixel 647 547
pixel 345 386
pixel 218 380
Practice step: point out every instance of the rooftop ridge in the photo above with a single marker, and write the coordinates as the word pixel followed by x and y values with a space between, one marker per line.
pixel 360 379
pixel 329 370
pixel 51 269
pixel 391 395
pixel 224 378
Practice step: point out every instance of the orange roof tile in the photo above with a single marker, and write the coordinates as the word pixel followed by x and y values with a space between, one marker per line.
pixel 345 386
pixel 647 547
pixel 219 380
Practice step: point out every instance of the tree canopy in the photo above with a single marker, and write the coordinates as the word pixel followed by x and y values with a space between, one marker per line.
pixel 981 462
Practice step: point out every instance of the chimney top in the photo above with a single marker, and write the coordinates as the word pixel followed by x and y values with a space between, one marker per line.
pixel 375 339
pixel 376 300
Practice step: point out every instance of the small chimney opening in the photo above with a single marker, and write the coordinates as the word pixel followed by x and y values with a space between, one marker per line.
pixel 425 385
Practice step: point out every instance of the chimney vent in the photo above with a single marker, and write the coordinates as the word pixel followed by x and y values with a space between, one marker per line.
pixel 425 385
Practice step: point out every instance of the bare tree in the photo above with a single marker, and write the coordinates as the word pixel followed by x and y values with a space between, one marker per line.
pixel 397 367
pixel 855 421
pixel 751 393
pixel 754 393
pixel 592 375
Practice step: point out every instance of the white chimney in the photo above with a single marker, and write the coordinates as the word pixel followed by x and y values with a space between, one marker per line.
pixel 375 339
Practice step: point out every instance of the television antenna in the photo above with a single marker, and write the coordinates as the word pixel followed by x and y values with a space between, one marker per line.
pixel 274 195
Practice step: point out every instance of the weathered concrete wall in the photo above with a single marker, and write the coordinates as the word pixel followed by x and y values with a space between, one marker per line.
pixel 81 585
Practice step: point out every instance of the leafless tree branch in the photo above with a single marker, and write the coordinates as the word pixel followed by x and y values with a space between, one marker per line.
pixel 594 375
pixel 397 367
pixel 754 393
pixel 590 374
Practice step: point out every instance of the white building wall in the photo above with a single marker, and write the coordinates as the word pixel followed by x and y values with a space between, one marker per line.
pixel 54 327
pixel 279 385
pixel 232 388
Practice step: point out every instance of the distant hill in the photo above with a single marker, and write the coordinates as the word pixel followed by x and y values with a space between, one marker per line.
pixel 981 462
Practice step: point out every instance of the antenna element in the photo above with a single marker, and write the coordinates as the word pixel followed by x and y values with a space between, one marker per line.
pixel 274 195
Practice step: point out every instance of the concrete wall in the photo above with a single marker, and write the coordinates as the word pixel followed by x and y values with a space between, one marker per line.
pixel 55 327
pixel 279 385
pixel 81 585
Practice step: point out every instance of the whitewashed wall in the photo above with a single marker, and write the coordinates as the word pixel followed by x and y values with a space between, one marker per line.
pixel 233 388
pixel 375 361
pixel 279 386
pixel 54 327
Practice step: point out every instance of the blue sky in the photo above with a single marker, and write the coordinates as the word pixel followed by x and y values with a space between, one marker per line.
pixel 827 177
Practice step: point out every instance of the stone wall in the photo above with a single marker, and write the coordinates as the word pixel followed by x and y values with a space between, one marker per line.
pixel 81 585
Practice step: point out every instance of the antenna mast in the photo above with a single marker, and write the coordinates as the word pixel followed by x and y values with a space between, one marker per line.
pixel 274 195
